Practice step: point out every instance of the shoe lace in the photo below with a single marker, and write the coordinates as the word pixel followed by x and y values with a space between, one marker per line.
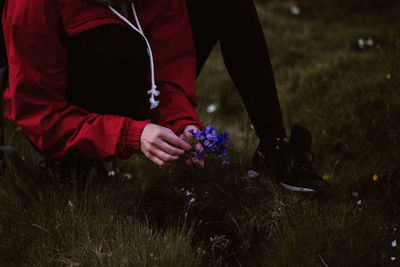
pixel 301 160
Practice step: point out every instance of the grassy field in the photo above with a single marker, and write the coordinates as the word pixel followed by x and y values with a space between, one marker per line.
pixel 347 95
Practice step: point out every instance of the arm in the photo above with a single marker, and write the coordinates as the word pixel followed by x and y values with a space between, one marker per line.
pixel 35 97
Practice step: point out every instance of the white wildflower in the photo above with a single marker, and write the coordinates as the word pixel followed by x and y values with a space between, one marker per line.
pixel 394 243
pixel 252 126
pixel 359 202
pixel 111 173
pixel 361 43
pixel 211 108
pixel 192 200
pixel 295 10
pixel 252 174
pixel 128 176
pixel 369 42
pixel 393 258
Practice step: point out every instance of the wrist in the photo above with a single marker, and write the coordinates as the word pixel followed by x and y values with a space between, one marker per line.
pixel 130 137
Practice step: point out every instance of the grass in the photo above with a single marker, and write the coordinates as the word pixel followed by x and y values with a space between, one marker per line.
pixel 342 93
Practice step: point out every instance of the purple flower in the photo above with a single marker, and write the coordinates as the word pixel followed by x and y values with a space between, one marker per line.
pixel 223 138
pixel 195 134
pixel 199 155
pixel 226 161
pixel 212 142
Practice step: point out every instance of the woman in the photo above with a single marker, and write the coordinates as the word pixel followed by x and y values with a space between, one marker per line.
pixel 79 78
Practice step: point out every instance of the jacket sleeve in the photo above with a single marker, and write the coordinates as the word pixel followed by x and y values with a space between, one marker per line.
pixel 35 97
pixel 171 39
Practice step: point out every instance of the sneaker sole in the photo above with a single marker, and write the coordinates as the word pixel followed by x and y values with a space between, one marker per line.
pixel 296 188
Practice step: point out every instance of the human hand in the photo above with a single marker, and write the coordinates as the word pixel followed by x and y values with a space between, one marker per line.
pixel 190 158
pixel 161 145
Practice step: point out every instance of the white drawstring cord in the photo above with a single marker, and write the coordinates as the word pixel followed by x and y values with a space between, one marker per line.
pixel 153 91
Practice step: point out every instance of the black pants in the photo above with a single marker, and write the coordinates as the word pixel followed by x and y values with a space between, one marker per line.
pixel 110 62
pixel 235 24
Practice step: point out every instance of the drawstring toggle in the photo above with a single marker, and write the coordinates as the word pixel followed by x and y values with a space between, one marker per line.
pixel 152 92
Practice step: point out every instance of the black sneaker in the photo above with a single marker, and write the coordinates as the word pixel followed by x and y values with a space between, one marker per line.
pixel 290 162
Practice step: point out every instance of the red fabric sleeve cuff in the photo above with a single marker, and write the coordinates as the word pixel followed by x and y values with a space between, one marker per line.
pixel 130 137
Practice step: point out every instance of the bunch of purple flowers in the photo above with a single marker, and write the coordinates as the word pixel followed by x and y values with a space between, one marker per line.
pixel 212 142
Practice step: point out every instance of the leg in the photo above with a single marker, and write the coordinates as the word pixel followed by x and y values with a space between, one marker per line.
pixel 235 24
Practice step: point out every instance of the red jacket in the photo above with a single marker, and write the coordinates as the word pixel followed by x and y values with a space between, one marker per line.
pixel 34 32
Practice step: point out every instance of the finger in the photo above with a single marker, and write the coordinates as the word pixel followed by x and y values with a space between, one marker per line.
pixel 196 161
pixel 199 163
pixel 158 161
pixel 162 155
pixel 198 147
pixel 186 159
pixel 188 163
pixel 174 140
pixel 171 150
pixel 185 137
